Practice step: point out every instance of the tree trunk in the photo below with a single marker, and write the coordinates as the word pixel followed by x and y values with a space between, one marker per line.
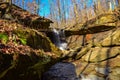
pixel 75 10
pixel 118 2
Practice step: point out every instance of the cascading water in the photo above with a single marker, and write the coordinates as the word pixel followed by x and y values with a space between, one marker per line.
pixel 56 37
pixel 59 39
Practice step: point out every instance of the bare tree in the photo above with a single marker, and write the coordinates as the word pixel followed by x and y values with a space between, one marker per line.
pixel 23 3
pixel 75 10
pixel 63 13
pixel 38 7
pixel 32 7
pixel 118 2
pixel 59 10
pixel 50 3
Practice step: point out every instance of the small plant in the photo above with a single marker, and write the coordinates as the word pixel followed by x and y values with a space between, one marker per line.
pixel 3 38
pixel 23 41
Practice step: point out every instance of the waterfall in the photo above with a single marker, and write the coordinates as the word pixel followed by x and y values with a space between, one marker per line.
pixel 59 39
pixel 56 36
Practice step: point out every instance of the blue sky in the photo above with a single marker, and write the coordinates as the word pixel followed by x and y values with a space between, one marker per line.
pixel 45 8
pixel 45 5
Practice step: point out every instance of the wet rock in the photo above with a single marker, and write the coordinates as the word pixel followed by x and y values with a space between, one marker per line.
pixel 61 71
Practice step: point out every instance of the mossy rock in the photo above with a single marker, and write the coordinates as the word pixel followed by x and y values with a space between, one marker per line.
pixel 36 40
pixel 108 18
pixel 40 23
pixel 25 67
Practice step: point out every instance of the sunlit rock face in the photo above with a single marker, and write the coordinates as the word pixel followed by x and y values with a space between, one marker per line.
pixel 75 41
pixel 101 61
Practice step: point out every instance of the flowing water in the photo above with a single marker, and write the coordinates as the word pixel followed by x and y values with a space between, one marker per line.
pixel 59 39
pixel 64 70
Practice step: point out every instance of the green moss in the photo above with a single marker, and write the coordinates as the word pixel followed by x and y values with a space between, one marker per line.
pixel 36 40
pixel 3 38
pixel 105 19
pixel 43 65
pixel 39 67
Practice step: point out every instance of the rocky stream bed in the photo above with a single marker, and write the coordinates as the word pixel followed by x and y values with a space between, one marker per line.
pixel 28 53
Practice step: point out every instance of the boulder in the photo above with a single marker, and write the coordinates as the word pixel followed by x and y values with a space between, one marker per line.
pixel 18 66
pixel 114 75
pixel 13 12
pixel 103 22
pixel 98 54
pixel 25 53
pixel 112 40
pixel 36 40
